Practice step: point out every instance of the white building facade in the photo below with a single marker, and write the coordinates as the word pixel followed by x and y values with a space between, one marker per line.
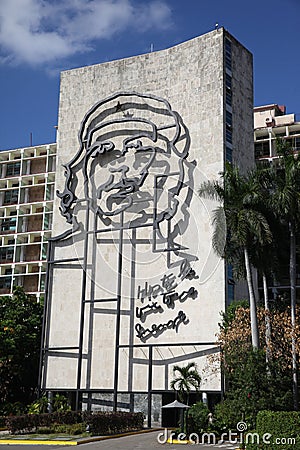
pixel 133 284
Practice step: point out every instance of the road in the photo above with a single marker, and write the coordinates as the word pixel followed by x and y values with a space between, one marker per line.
pixel 143 441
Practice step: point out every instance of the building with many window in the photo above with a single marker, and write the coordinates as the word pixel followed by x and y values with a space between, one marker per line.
pixel 27 178
pixel 270 124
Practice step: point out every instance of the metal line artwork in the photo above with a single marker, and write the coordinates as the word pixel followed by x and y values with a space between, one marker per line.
pixel 126 200
pixel 157 330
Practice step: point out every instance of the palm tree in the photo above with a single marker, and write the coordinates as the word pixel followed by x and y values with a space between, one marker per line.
pixel 239 197
pixel 265 257
pixel 286 201
pixel 188 377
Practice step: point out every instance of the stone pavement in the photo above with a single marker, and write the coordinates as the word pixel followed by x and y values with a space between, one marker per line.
pixel 142 441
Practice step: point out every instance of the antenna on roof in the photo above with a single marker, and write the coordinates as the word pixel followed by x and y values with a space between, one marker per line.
pixel 151 48
pixel 30 139
pixel 216 26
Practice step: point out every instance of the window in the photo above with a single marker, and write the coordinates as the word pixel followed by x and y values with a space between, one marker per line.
pixel 228 86
pixel 228 135
pixel 42 286
pixel 228 82
pixel 6 254
pixel 13 169
pixel 228 54
pixel 230 293
pixel 228 118
pixel 9 224
pixel 228 154
pixel 47 221
pixel 262 149
pixel 5 282
pixel 230 283
pixel 296 143
pixel 44 251
pixel 229 98
pixel 11 197
pixel 48 193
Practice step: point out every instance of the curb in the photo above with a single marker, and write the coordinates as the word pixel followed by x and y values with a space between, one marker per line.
pixel 35 442
pixel 72 442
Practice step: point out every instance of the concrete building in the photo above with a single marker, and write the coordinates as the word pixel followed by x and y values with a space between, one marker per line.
pixel 26 202
pixel 270 123
pixel 133 284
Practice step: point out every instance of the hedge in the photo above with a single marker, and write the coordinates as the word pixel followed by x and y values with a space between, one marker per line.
pixel 282 426
pixel 113 423
pixel 100 423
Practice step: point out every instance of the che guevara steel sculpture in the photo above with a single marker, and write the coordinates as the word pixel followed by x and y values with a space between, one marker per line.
pixel 126 198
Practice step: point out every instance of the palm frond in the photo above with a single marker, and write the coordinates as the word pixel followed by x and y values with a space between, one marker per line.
pixel 220 231
pixel 211 190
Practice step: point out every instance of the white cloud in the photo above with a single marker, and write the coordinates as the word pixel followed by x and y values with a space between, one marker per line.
pixel 44 31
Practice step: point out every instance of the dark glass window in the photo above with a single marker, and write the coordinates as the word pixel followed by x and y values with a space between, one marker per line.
pixel 6 254
pixel 230 283
pixel 228 118
pixel 8 224
pixel 229 98
pixel 13 169
pixel 228 154
pixel 262 149
pixel 230 293
pixel 228 54
pixel 5 282
pixel 228 135
pixel 11 197
pixel 228 81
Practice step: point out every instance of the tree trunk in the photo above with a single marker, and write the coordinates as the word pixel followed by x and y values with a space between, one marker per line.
pixel 253 314
pixel 293 310
pixel 267 319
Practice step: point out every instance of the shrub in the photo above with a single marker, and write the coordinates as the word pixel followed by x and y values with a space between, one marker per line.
pixel 227 414
pixel 19 424
pixel 281 425
pixel 2 422
pixel 12 409
pixel 99 423
pixel 102 423
pixel 198 418
pixel 39 406
pixel 66 417
pixel 43 420
pixel 30 422
pixel 61 403
pixel 77 428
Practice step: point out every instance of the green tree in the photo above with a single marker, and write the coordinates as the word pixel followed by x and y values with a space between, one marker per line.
pixel 20 337
pixel 239 196
pixel 285 189
pixel 197 418
pixel 188 377
pixel 252 384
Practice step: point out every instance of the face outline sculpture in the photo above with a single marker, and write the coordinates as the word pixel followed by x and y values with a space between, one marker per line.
pixel 117 170
pixel 126 126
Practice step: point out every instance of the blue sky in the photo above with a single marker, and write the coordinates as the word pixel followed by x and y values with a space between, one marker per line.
pixel 40 38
